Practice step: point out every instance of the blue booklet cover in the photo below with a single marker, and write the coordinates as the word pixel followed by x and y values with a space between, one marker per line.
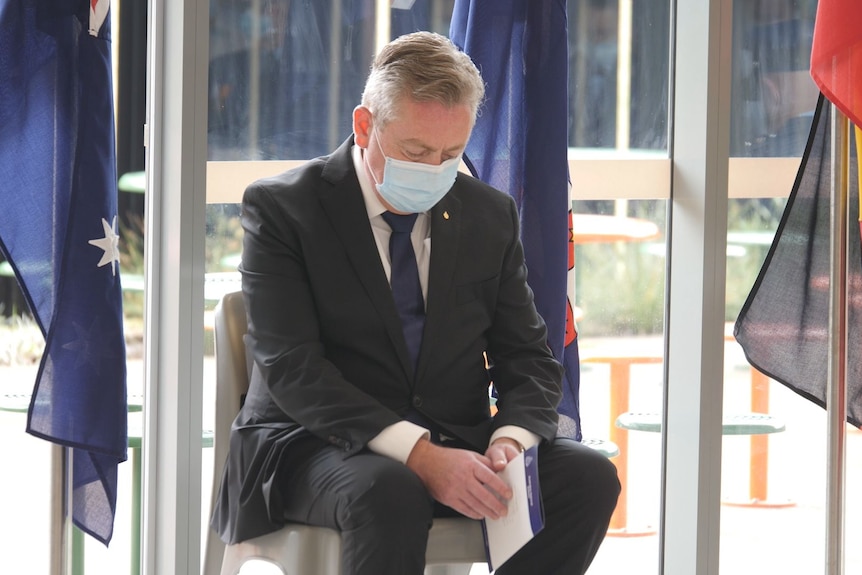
pixel 505 536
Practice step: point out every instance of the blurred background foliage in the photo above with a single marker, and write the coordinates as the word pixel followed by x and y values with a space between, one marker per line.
pixel 620 286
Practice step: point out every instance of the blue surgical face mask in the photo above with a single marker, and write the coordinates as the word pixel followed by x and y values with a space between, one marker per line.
pixel 413 187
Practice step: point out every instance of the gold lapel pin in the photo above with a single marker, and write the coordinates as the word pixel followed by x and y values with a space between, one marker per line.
pixel 445 215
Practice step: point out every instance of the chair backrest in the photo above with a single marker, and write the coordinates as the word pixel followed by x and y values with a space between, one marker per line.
pixel 233 369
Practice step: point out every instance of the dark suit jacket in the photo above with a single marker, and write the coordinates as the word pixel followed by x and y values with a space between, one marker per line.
pixel 329 354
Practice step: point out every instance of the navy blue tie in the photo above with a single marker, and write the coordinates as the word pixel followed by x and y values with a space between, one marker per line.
pixel 406 289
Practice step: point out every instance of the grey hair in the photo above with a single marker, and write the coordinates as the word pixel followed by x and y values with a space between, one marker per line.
pixel 425 67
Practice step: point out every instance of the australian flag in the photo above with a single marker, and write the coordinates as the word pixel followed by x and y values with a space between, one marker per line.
pixel 520 145
pixel 58 229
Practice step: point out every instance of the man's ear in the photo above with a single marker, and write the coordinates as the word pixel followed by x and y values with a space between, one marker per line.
pixel 362 124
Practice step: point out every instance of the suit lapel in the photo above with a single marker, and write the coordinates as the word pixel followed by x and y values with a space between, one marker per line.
pixel 343 204
pixel 446 221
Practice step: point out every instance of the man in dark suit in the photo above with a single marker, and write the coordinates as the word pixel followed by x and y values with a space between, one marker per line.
pixel 368 412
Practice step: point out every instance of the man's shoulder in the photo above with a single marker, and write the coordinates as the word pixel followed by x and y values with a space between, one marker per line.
pixel 309 170
pixel 303 181
pixel 473 190
pixel 333 166
pixel 284 189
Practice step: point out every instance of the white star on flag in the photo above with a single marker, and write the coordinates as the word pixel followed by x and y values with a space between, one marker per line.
pixel 110 243
pixel 85 346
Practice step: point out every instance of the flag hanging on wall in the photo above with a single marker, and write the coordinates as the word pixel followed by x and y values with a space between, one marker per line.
pixel 520 145
pixel 784 324
pixel 58 229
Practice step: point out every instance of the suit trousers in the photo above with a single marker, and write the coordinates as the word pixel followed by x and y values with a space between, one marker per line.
pixel 384 512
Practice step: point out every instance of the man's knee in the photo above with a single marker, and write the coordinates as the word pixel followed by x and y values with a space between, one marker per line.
pixel 392 498
pixel 385 521
pixel 581 474
pixel 605 481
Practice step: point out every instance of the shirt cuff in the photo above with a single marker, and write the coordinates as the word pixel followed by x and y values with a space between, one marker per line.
pixel 397 440
pixel 523 436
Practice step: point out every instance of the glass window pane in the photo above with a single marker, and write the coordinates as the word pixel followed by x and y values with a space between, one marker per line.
pixel 773 95
pixel 620 294
pixel 618 74
pixel 773 508
pixel 618 94
pixel 284 76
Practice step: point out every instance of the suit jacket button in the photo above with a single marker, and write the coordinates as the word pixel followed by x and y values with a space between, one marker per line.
pixel 417 401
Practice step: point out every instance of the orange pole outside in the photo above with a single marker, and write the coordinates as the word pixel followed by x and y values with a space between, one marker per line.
pixel 758 479
pixel 620 404
pixel 620 378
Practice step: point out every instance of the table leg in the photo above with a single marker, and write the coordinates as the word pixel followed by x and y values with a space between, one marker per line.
pixel 62 465
pixel 758 478
pixel 135 552
pixel 759 471
pixel 58 511
pixel 619 403
pixel 77 551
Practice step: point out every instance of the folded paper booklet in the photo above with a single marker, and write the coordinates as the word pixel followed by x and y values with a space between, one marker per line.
pixel 504 536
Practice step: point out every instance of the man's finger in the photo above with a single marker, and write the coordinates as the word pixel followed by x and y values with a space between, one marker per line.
pixel 486 501
pixel 492 482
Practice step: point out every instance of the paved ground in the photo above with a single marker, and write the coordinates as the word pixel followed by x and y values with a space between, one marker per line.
pixel 754 540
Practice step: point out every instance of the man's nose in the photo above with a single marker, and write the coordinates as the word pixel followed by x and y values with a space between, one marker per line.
pixel 434 159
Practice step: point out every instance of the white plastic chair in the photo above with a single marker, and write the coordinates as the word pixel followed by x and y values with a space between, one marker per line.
pixel 453 544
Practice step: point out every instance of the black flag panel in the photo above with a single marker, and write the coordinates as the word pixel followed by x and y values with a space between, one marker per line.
pixel 784 324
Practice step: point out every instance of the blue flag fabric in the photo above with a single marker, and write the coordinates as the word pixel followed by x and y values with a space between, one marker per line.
pixel 520 145
pixel 58 229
